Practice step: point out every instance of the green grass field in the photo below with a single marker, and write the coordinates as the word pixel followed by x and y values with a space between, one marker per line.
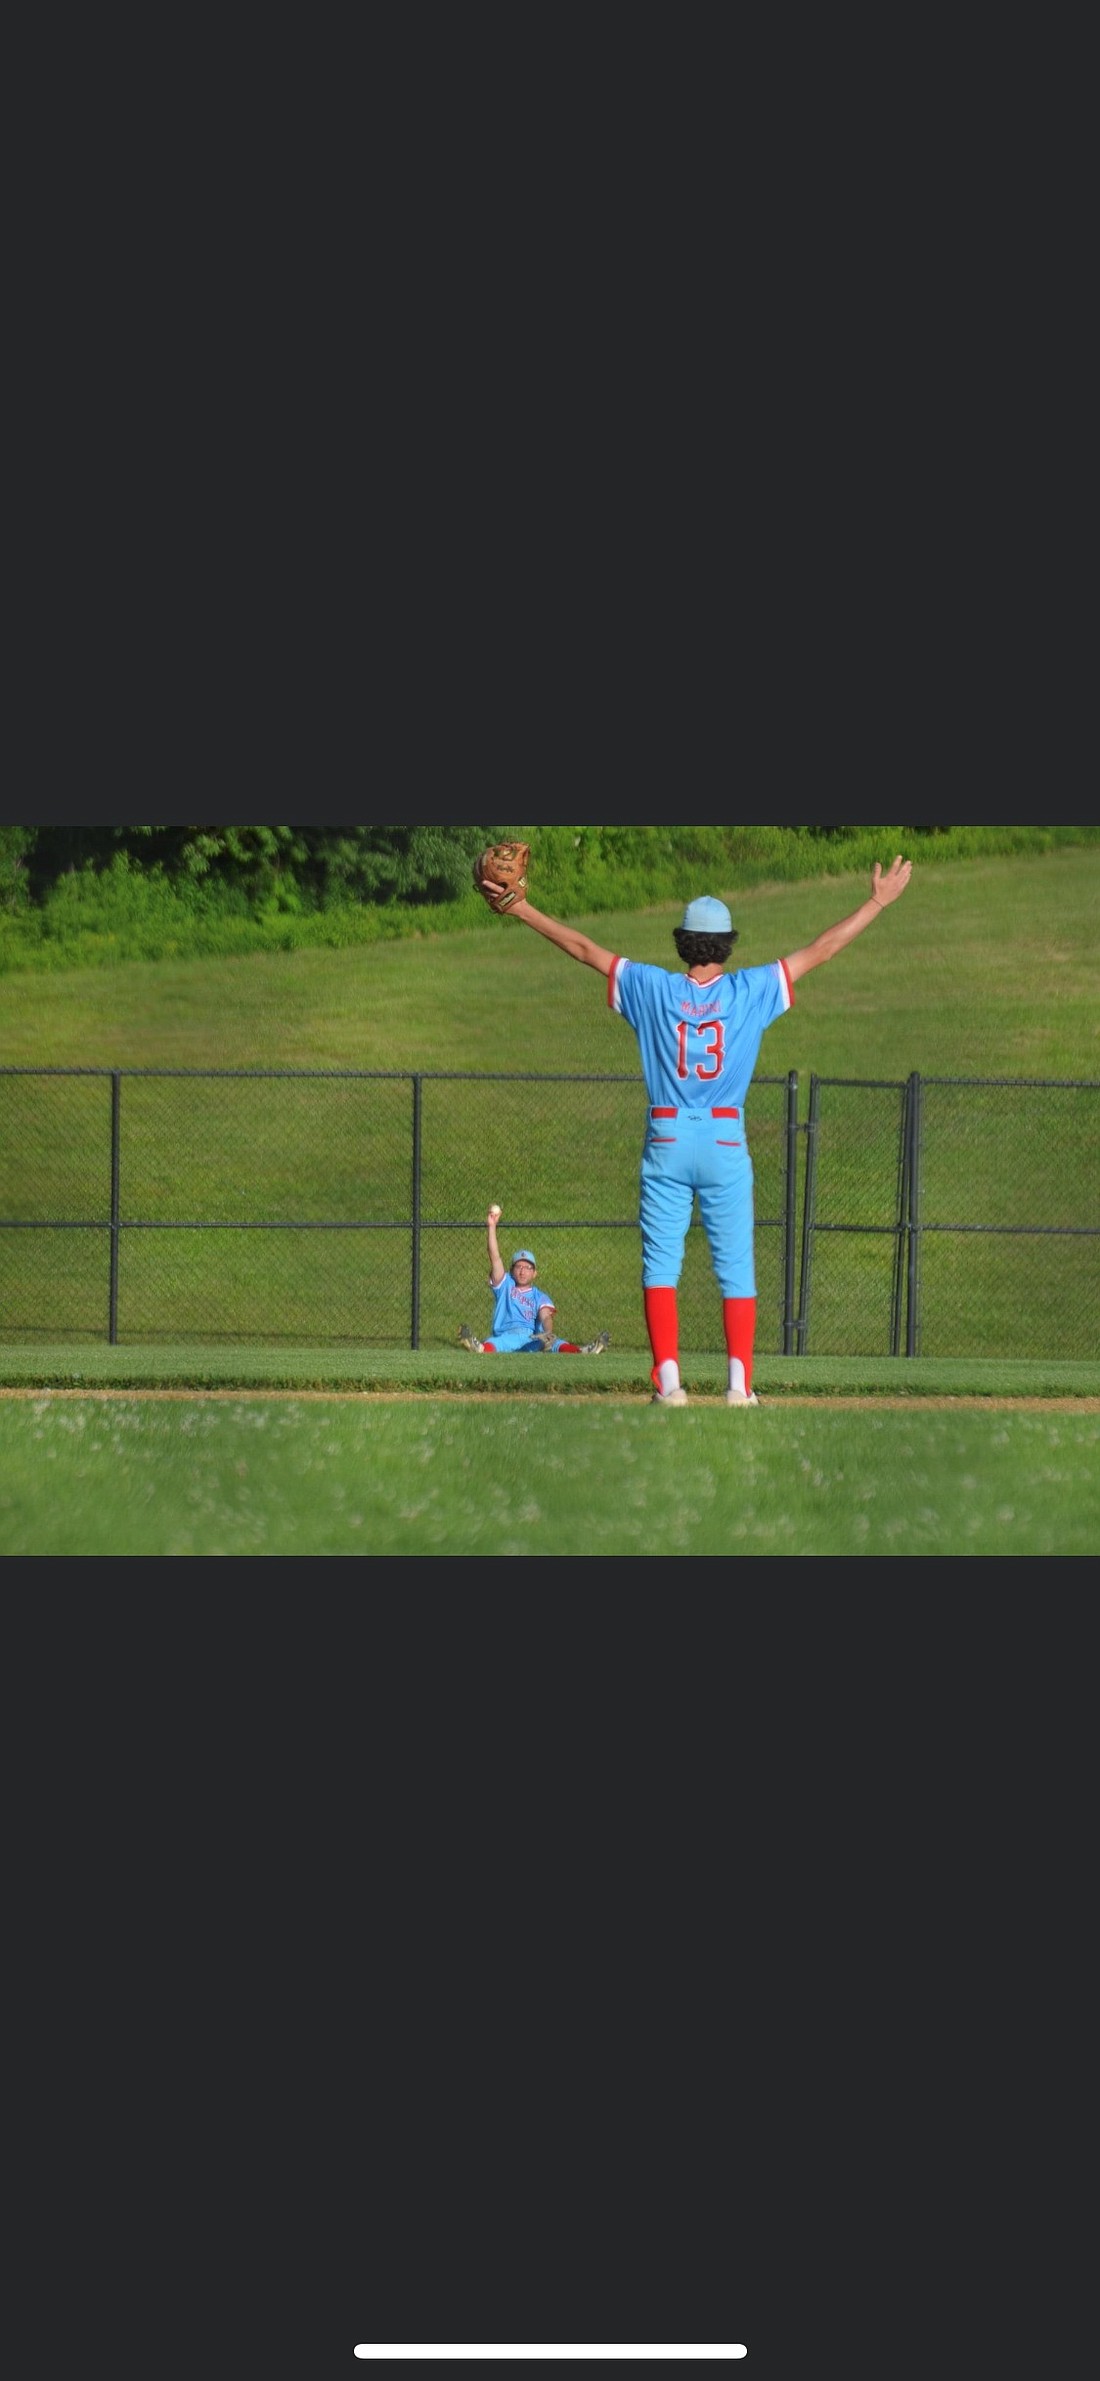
pixel 445 1372
pixel 989 968
pixel 512 1477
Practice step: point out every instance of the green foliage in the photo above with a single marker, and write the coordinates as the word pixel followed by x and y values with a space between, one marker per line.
pixel 589 869
pixel 100 917
pixel 282 869
pixel 15 843
pixel 102 895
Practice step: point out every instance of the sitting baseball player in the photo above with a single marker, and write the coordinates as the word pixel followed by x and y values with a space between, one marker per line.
pixel 523 1314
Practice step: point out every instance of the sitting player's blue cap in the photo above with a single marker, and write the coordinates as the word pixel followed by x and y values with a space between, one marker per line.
pixel 707 917
pixel 524 1256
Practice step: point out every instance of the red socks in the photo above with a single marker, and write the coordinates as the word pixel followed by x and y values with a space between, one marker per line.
pixel 663 1325
pixel 739 1316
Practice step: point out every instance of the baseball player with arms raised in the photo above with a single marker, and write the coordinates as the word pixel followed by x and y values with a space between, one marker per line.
pixel 699 1034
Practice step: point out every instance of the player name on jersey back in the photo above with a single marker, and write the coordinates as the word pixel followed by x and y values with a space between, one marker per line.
pixel 699 1043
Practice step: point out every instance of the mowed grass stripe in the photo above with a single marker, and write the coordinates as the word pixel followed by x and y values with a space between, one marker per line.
pixel 228 1477
pixel 428 1372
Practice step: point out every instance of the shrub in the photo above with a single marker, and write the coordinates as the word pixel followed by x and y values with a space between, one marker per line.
pixel 100 915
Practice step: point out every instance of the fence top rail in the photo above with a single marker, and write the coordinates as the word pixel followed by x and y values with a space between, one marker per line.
pixel 1016 1082
pixel 961 1082
pixel 206 1074
pixel 209 1074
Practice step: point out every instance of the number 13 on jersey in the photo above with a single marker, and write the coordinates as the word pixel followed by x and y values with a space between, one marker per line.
pixel 713 1033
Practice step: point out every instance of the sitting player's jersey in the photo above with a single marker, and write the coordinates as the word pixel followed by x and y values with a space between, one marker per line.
pixel 699 1043
pixel 517 1310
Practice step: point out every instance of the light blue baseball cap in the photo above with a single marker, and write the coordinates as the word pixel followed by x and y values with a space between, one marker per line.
pixel 707 917
pixel 525 1256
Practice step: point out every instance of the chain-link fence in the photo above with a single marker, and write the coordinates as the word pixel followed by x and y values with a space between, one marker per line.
pixel 922 1216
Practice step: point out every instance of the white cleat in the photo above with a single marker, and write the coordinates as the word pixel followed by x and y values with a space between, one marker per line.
pixel 738 1397
pixel 670 1397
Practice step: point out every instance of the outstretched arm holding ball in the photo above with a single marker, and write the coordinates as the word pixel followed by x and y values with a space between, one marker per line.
pixel 497 1267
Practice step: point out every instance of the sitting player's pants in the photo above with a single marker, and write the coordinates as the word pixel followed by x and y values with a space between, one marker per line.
pixel 687 1154
pixel 519 1343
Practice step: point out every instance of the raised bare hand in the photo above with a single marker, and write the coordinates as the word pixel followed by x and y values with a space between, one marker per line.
pixel 890 887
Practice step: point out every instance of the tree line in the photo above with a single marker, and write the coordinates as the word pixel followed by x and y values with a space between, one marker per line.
pixel 319 867
pixel 325 865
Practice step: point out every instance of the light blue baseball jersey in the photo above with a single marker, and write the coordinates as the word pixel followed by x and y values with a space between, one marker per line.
pixel 699 1043
pixel 516 1310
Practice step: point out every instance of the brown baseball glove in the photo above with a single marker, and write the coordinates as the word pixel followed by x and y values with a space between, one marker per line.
pixel 500 874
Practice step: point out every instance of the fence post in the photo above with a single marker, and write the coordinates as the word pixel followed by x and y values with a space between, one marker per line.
pixel 790 1215
pixel 418 1126
pixel 116 1110
pixel 808 1210
pixel 912 1323
pixel 901 1240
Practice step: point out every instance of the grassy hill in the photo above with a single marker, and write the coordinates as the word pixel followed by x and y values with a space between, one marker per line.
pixel 991 967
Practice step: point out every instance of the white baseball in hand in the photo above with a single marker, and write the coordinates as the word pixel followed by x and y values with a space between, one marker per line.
pixel 496 1213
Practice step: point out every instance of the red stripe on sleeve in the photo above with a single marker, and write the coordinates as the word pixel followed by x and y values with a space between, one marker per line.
pixel 790 986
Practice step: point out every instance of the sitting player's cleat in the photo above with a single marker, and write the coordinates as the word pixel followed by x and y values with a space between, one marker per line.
pixel 595 1347
pixel 738 1397
pixel 670 1397
pixel 466 1340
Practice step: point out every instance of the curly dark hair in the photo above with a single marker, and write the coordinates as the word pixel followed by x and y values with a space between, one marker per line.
pixel 703 950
